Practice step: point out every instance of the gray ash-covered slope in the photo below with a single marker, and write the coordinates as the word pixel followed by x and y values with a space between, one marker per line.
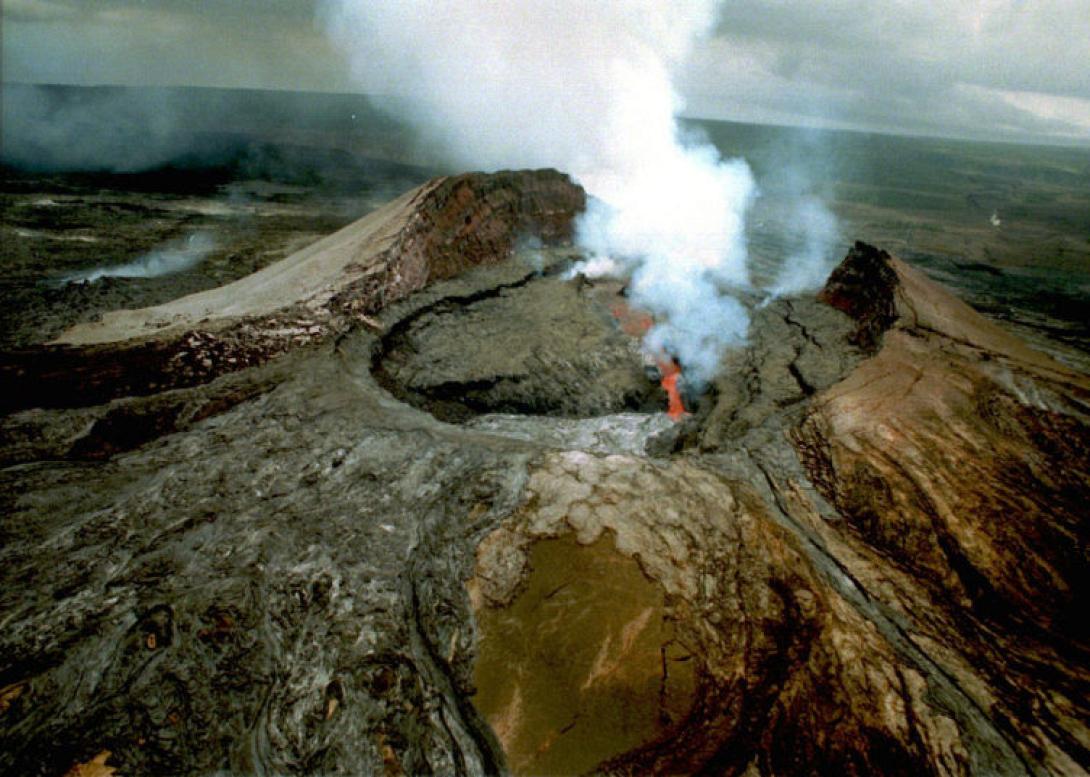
pixel 862 553
pixel 149 237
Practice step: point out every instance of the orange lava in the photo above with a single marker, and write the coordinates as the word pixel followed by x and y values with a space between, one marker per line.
pixel 670 373
pixel 635 323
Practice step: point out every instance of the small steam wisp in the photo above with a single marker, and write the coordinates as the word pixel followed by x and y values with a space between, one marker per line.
pixel 809 264
pixel 169 259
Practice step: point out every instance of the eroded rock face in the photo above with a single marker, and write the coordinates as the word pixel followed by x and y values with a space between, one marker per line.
pixel 789 676
pixel 960 463
pixel 862 553
pixel 848 636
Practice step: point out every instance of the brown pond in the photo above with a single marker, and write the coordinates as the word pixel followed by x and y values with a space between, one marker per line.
pixel 583 664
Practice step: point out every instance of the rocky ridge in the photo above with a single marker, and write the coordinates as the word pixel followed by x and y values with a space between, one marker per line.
pixel 430 233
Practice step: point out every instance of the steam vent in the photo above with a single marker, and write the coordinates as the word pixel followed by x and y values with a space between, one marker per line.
pixel 409 501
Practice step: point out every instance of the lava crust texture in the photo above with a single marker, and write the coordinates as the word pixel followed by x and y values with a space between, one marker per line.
pixel 863 553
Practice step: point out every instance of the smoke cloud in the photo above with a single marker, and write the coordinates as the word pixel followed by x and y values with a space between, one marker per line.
pixel 102 129
pixel 293 137
pixel 587 88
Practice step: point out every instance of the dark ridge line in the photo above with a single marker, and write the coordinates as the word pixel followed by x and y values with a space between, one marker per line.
pixel 489 753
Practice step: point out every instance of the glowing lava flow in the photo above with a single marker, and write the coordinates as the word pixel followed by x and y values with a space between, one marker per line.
pixel 636 324
pixel 670 373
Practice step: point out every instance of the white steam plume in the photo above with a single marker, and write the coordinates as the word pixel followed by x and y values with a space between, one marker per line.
pixel 584 87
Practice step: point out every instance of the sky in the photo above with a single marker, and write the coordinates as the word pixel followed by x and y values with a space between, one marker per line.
pixel 989 69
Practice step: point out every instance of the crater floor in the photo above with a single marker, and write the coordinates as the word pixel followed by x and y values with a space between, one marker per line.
pixel 541 346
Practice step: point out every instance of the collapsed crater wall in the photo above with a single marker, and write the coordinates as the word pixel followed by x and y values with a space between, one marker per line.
pixel 429 233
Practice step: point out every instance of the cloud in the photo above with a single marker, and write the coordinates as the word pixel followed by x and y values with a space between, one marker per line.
pixel 942 67
pixel 954 67
pixel 271 44
pixel 1069 111
pixel 32 11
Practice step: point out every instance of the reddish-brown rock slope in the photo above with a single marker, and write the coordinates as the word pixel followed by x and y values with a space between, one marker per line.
pixel 959 460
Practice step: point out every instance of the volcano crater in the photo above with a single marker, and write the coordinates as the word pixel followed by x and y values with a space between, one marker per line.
pixel 542 345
